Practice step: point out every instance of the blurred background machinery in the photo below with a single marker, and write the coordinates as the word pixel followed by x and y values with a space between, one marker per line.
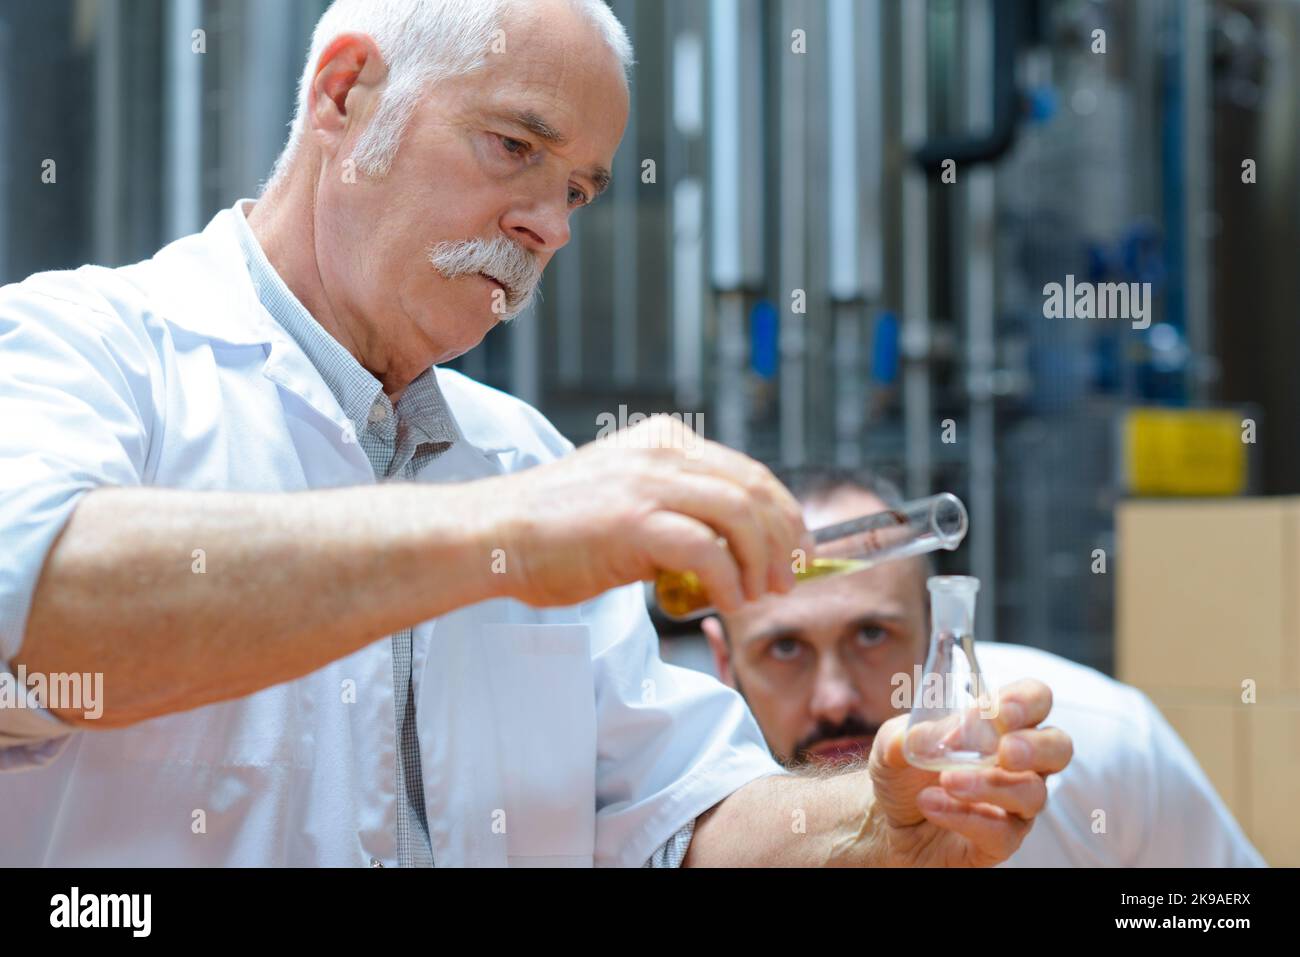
pixel 780 251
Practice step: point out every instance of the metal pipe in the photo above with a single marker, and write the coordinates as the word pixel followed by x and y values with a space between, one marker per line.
pixel 183 131
pixel 684 99
pixel 568 308
pixel 1198 187
pixel 627 266
pixel 687 292
pixel 918 424
pixel 269 89
pixel 108 127
pixel 525 369
pixel 736 196
pixel 854 170
pixel 979 305
pixel 793 270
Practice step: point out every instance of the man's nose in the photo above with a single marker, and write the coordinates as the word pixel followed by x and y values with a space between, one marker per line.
pixel 834 694
pixel 541 227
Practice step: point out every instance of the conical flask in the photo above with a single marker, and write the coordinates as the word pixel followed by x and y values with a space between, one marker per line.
pixel 951 725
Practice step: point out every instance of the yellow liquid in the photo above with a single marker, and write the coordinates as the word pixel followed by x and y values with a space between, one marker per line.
pixel 682 594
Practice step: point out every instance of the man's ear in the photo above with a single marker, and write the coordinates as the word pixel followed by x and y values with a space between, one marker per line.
pixel 712 629
pixel 351 64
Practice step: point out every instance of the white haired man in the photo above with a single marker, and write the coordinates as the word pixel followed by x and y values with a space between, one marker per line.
pixel 352 609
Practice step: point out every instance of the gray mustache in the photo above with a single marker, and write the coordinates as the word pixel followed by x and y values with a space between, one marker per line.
pixel 505 261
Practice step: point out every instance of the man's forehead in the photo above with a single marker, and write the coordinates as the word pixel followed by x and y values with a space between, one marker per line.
pixel 894 591
pixel 826 607
pixel 563 74
pixel 574 99
pixel 841 505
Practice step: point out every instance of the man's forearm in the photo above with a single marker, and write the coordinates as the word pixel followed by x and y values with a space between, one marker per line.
pixel 185 598
pixel 791 821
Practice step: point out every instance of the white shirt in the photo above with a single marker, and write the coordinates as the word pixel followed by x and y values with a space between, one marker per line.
pixel 552 736
pixel 1134 795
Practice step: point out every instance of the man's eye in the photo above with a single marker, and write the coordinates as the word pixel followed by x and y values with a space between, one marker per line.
pixel 871 636
pixel 784 649
pixel 514 147
pixel 577 197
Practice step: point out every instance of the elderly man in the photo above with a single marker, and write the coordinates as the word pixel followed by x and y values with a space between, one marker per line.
pixel 352 609
pixel 824 670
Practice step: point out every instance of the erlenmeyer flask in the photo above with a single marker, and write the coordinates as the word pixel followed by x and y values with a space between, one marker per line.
pixel 951 725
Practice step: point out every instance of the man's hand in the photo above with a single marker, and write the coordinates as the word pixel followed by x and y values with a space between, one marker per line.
pixel 892 814
pixel 973 818
pixel 650 498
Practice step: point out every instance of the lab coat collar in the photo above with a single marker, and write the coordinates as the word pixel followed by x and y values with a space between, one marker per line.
pixel 203 286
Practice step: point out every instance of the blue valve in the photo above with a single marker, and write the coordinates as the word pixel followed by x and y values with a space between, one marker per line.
pixel 764 339
pixel 885 349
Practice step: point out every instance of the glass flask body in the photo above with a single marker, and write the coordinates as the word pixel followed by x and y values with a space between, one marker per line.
pixel 953 711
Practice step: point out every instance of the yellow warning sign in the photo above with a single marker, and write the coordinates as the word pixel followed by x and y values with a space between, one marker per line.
pixel 1184 452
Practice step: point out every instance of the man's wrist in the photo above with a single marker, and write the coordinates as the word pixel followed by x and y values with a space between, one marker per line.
pixel 860 838
pixel 465 537
pixel 878 849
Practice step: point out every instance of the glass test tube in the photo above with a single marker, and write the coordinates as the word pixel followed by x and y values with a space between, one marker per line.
pixel 916 527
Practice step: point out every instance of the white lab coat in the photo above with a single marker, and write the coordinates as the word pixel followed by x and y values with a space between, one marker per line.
pixel 1134 795
pixel 547 736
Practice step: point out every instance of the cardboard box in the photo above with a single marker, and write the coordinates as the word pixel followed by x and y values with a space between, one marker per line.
pixel 1274 733
pixel 1208 597
pixel 1208 594
pixel 1218 733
